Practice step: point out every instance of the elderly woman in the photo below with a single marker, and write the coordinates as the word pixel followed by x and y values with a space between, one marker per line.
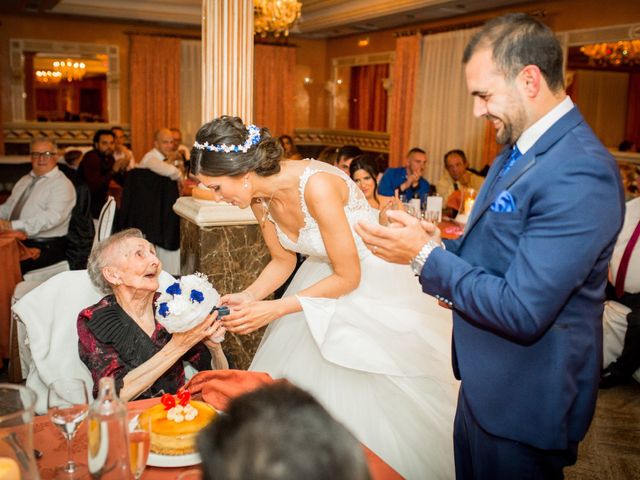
pixel 120 337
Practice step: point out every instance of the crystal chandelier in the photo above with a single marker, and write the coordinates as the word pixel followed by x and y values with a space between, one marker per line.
pixel 625 52
pixel 275 16
pixel 47 76
pixel 69 69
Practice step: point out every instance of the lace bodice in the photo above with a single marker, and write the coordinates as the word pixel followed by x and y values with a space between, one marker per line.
pixel 309 238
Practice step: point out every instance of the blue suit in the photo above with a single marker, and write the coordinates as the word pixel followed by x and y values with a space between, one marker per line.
pixel 527 288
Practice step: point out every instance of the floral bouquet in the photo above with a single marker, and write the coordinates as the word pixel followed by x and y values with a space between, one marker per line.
pixel 186 303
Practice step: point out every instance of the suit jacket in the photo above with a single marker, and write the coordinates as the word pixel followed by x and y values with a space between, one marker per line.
pixel 527 288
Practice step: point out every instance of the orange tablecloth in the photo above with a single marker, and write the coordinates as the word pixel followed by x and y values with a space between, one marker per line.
pixel 49 441
pixel 11 252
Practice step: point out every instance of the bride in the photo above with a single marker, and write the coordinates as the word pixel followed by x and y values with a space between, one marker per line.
pixel 355 331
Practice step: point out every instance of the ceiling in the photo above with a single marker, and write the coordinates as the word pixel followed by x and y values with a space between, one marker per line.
pixel 320 18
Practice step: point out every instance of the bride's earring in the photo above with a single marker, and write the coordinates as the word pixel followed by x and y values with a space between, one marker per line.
pixel 246 183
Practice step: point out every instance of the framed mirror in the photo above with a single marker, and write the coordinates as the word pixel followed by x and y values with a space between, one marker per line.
pixel 64 82
pixel 360 92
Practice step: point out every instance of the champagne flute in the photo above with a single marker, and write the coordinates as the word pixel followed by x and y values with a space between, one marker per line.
pixel 68 405
pixel 139 435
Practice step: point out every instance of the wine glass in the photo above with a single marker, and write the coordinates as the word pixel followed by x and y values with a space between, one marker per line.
pixel 68 404
pixel 139 432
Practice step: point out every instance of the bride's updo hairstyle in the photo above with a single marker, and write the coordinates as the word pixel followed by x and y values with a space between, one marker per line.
pixel 262 157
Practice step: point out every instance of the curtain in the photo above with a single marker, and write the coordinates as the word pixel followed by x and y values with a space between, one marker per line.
pixel 602 100
pixel 444 118
pixel 273 88
pixel 632 130
pixel 368 98
pixel 405 69
pixel 155 88
pixel 190 90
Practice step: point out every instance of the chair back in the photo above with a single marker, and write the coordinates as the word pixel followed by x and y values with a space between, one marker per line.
pixel 49 313
pixel 105 221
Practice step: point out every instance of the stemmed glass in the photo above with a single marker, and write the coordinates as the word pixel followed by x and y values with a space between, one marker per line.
pixel 68 404
pixel 139 432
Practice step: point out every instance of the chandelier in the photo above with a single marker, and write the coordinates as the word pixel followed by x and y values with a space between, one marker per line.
pixel 47 76
pixel 70 70
pixel 625 52
pixel 275 16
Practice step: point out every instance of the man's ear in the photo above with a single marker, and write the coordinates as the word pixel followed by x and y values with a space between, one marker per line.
pixel 530 79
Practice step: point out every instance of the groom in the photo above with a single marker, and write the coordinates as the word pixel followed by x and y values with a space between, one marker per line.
pixel 526 281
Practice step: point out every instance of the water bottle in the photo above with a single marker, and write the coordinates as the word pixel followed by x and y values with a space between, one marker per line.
pixel 108 452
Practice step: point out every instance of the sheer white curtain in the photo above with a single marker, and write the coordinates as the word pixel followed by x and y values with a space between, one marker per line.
pixel 602 99
pixel 190 90
pixel 443 114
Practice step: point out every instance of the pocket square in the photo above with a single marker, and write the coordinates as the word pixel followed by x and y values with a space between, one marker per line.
pixel 504 203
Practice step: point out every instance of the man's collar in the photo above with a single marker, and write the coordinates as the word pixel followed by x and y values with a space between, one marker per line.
pixel 531 135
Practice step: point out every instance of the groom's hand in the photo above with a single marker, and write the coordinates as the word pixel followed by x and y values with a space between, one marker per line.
pixel 400 242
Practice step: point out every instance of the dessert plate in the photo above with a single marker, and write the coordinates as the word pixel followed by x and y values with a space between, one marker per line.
pixel 157 460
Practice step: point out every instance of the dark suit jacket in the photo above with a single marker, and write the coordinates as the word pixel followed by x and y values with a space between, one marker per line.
pixel 147 204
pixel 528 287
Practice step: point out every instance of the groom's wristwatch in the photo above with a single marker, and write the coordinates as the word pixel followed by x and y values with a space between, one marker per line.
pixel 419 260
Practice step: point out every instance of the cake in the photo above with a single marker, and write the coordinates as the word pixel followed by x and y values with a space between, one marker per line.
pixel 175 424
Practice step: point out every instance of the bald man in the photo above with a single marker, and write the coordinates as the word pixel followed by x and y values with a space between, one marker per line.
pixel 156 158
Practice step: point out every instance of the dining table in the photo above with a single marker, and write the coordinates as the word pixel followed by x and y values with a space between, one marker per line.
pixel 49 442
pixel 12 251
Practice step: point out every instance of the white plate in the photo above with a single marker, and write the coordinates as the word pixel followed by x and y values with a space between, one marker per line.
pixel 157 460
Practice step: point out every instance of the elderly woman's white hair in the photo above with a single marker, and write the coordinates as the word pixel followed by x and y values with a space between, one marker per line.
pixel 98 258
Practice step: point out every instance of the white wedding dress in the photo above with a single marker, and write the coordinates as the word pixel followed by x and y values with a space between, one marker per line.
pixel 378 358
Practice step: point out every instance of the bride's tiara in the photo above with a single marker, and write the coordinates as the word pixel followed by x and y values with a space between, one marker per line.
pixel 252 139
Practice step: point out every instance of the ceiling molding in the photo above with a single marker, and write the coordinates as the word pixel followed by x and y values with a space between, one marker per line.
pixel 186 12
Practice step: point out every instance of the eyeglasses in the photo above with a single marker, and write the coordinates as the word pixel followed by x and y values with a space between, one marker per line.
pixel 45 155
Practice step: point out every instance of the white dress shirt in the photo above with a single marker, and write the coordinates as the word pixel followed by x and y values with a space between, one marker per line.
pixel 154 161
pixel 531 135
pixel 47 210
pixel 631 218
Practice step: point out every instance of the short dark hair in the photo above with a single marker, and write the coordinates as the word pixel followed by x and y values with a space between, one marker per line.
pixel 117 127
pixel 99 133
pixel 517 40
pixel 279 432
pixel 456 151
pixel 416 150
pixel 262 158
pixel 348 151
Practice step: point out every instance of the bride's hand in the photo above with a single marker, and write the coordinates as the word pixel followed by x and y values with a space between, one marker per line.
pixel 236 299
pixel 251 316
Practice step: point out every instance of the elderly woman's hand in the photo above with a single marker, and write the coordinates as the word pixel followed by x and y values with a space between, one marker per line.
pixel 186 340
pixel 210 341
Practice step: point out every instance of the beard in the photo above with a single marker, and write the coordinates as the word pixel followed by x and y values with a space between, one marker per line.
pixel 513 123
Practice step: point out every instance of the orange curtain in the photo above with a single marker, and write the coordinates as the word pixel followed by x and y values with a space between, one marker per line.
pixel 405 72
pixel 368 98
pixel 632 129
pixel 155 88
pixel 490 148
pixel 273 87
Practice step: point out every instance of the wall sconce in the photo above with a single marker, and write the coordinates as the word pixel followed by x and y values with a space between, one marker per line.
pixel 363 42
pixel 308 80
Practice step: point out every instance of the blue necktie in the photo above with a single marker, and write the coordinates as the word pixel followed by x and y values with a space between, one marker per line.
pixel 515 155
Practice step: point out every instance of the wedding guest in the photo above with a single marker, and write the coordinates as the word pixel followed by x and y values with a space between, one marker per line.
pixel 625 289
pixel 123 156
pixel 329 155
pixel 40 205
pixel 96 169
pixel 456 177
pixel 363 172
pixel 119 336
pixel 406 180
pixel 279 432
pixel 345 155
pixel 180 147
pixel 160 159
pixel 526 281
pixel 290 150
pixel 72 159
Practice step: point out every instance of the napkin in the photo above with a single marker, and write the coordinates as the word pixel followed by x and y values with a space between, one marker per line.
pixel 218 387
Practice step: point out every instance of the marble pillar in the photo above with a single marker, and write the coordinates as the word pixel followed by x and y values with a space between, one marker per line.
pixel 225 243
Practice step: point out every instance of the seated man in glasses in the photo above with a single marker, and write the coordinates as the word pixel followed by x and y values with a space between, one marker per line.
pixel 40 205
